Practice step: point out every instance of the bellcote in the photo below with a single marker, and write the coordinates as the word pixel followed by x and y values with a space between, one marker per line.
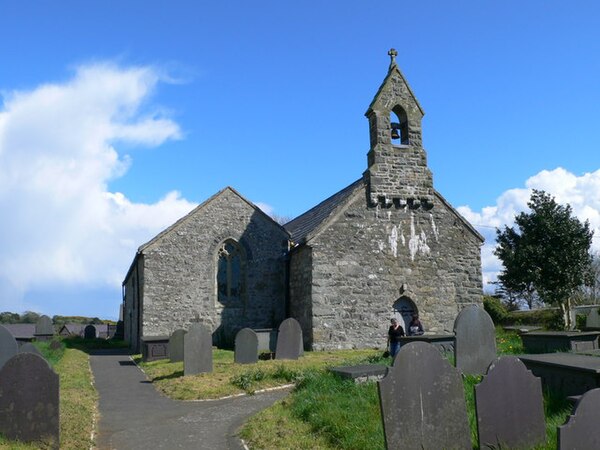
pixel 397 172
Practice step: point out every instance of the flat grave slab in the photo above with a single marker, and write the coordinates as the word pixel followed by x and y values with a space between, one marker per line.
pixel 155 347
pixel 267 339
pixel 559 341
pixel 362 372
pixel 567 373
pixel 522 328
pixel 443 342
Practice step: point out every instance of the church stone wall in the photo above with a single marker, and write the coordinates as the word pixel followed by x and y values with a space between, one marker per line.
pixel 180 271
pixel 300 290
pixel 367 258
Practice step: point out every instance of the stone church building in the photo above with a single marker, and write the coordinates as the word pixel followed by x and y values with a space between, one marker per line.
pixel 388 244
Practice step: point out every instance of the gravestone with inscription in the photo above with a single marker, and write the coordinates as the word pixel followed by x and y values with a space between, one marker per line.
pixel 176 345
pixel 581 429
pixel 475 343
pixel 510 406
pixel 28 347
pixel 289 340
pixel 422 401
pixel 592 321
pixel 8 345
pixel 90 332
pixel 197 350
pixel 246 346
pixel 44 329
pixel 29 403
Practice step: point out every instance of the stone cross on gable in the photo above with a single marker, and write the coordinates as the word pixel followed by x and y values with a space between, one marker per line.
pixel 392 54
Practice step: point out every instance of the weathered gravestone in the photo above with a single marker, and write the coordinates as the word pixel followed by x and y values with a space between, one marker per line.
pixel 475 344
pixel 289 340
pixel 44 329
pixel 28 347
pixel 422 401
pixel 510 408
pixel 29 400
pixel 197 350
pixel 90 332
pixel 55 345
pixel 592 320
pixel 176 345
pixel 246 346
pixel 8 345
pixel 581 431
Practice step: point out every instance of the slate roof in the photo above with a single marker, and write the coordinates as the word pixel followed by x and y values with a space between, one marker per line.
pixel 300 227
pixel 21 330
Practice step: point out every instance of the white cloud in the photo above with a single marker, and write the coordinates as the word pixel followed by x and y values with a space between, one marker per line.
pixel 58 150
pixel 581 192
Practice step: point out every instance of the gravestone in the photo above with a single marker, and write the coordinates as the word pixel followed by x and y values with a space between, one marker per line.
pixel 246 346
pixel 176 345
pixel 581 429
pixel 28 347
pixel 29 403
pixel 510 406
pixel 90 332
pixel 475 344
pixel 197 350
pixel 55 345
pixel 422 401
pixel 592 320
pixel 8 345
pixel 289 340
pixel 44 329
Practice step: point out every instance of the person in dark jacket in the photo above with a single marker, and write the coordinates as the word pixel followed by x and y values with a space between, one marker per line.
pixel 415 328
pixel 395 332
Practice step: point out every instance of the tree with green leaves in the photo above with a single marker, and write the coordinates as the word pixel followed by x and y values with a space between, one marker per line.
pixel 546 255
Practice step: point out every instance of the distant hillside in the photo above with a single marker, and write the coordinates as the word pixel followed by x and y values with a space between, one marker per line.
pixel 32 317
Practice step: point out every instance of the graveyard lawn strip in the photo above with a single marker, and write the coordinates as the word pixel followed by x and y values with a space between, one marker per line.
pixel 508 342
pixel 228 378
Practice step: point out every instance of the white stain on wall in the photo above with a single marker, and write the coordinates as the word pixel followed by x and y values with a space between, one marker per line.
pixel 434 228
pixel 417 242
pixel 393 241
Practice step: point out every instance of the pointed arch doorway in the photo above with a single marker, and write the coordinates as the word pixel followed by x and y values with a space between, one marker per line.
pixel 403 309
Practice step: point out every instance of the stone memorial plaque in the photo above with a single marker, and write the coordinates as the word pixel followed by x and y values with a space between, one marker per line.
pixel 246 346
pixel 29 401
pixel 510 406
pixel 197 350
pixel 289 340
pixel 592 320
pixel 475 344
pixel 581 429
pixel 28 347
pixel 90 332
pixel 8 345
pixel 176 345
pixel 422 401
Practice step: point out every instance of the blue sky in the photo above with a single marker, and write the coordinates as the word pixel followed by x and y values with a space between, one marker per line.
pixel 116 118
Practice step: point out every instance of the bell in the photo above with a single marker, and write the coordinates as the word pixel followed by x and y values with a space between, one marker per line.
pixel 395 134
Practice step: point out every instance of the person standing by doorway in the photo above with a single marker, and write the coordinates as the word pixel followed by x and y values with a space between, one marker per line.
pixel 395 332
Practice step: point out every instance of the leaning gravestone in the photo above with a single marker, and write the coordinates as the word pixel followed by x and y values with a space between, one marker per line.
pixel 475 345
pixel 44 330
pixel 28 347
pixel 581 429
pixel 592 320
pixel 510 406
pixel 246 346
pixel 90 332
pixel 423 402
pixel 289 340
pixel 29 402
pixel 8 345
pixel 176 345
pixel 197 350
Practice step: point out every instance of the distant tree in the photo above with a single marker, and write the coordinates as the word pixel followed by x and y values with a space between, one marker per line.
pixel 547 255
pixel 9 317
pixel 29 317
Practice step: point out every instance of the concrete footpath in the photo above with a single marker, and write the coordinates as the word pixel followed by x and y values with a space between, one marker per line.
pixel 135 416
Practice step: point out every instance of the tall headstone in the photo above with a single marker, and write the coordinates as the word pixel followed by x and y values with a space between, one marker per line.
pixel 90 332
pixel 176 345
pixel 29 404
pixel 510 406
pixel 581 429
pixel 592 320
pixel 289 340
pixel 8 345
pixel 28 347
pixel 246 346
pixel 423 402
pixel 44 329
pixel 197 350
pixel 475 344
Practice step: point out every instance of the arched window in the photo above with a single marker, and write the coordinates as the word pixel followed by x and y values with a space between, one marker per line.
pixel 399 126
pixel 230 266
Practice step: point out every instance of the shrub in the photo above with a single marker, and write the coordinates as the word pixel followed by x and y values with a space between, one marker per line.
pixel 497 311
